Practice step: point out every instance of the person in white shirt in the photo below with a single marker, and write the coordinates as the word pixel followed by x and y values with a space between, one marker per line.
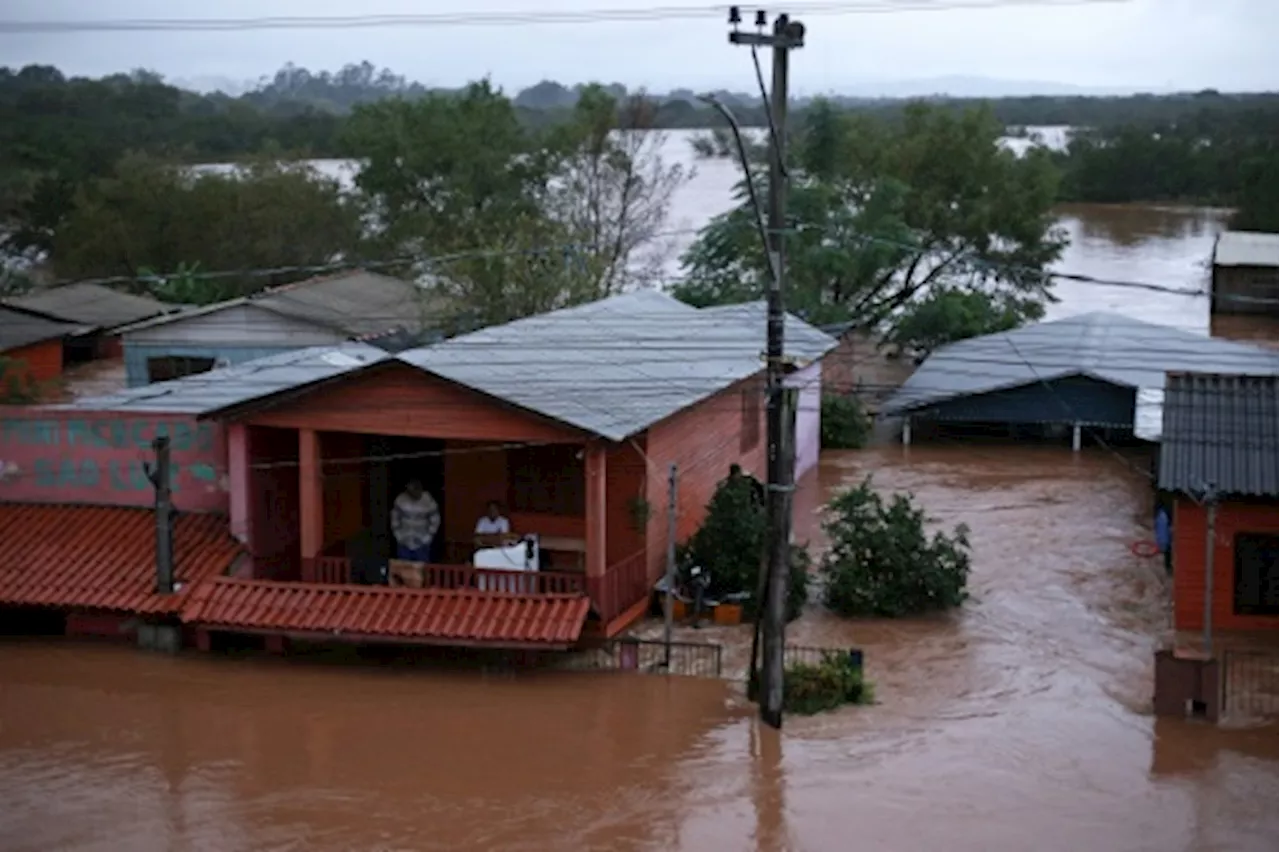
pixel 492 526
pixel 415 519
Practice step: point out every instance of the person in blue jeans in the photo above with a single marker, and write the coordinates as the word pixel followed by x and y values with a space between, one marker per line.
pixel 1164 536
pixel 415 519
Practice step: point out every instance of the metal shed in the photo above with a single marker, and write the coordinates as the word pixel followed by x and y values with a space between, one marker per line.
pixel 1245 273
pixel 1099 370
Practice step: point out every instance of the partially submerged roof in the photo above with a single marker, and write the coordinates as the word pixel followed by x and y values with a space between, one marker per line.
pixel 19 328
pixel 217 389
pixel 426 616
pixel 1220 431
pixel 612 368
pixel 91 305
pixel 1109 347
pixel 1246 248
pixel 360 304
pixel 102 557
pixel 803 342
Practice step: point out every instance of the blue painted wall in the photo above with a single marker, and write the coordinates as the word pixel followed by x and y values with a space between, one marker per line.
pixel 136 355
pixel 1075 399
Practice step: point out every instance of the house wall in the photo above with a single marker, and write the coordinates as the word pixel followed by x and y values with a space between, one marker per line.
pixel 1250 282
pixel 273 534
pixel 703 441
pixel 1189 520
pixel 49 455
pixel 396 399
pixel 808 437
pixel 40 363
pixel 237 334
pixel 1074 399
pixel 858 366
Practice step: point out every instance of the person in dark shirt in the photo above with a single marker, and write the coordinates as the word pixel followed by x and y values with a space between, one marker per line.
pixel 1164 536
pixel 736 475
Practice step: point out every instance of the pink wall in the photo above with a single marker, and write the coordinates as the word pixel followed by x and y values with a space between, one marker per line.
pixel 808 416
pixel 49 455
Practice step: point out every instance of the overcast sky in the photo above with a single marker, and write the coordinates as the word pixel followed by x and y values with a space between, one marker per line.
pixel 1137 45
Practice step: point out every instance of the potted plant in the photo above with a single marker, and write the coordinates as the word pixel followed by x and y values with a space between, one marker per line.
pixel 640 513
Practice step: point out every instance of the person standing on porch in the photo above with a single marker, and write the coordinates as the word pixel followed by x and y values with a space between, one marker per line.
pixel 1164 536
pixel 415 518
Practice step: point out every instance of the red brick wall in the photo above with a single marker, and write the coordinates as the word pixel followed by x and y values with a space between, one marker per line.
pixel 1188 564
pixel 703 441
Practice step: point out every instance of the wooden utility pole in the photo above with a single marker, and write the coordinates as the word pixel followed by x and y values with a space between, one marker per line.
pixel 159 476
pixel 787 35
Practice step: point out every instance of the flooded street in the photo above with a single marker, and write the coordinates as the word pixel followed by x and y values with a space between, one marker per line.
pixel 1019 723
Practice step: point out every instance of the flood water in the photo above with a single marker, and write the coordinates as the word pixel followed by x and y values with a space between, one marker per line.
pixel 1018 723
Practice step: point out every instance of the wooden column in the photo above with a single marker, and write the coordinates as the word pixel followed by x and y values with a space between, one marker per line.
pixel 240 482
pixel 310 500
pixel 596 509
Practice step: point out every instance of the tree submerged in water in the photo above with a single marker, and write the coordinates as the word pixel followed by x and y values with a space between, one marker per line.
pixel 881 562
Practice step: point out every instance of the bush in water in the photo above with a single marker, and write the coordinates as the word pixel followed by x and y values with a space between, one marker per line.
pixel 845 426
pixel 882 563
pixel 729 545
pixel 809 688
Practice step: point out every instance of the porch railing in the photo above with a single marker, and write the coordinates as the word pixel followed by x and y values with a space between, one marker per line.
pixel 624 583
pixel 337 570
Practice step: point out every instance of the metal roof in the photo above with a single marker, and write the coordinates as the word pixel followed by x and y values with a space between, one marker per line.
pixel 1220 431
pixel 91 305
pixel 612 367
pixel 358 303
pixel 19 328
pixel 1109 347
pixel 1246 248
pixel 804 343
pixel 217 389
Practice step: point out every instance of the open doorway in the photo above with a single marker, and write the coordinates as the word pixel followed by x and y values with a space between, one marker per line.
pixel 394 460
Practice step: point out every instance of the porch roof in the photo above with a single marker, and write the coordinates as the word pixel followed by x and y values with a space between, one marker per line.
pixel 103 557
pixel 365 613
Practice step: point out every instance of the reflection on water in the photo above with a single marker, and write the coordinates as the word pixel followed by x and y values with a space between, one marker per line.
pixel 1019 723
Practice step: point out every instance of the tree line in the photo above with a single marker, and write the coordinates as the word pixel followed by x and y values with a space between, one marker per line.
pixel 909 216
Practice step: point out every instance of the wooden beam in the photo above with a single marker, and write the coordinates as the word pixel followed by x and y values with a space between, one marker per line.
pixel 310 498
pixel 596 473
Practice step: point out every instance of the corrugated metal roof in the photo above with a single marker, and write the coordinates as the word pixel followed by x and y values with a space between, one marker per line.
pixel 439 616
pixel 1109 347
pixel 91 305
pixel 217 389
pixel 103 557
pixel 1246 248
pixel 804 343
pixel 358 303
pixel 1222 431
pixel 18 328
pixel 612 367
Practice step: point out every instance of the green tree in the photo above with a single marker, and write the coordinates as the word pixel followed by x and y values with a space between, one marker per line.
pixel 157 217
pixel 946 315
pixel 845 424
pixel 881 561
pixel 730 544
pixel 883 212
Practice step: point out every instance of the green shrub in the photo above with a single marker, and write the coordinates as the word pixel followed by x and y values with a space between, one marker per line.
pixel 16 385
pixel 731 545
pixel 809 688
pixel 882 563
pixel 845 425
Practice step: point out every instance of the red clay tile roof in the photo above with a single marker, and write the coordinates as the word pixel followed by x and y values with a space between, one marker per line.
pixel 103 557
pixel 438 616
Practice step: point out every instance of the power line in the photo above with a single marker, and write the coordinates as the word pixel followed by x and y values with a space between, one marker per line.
pixel 502 18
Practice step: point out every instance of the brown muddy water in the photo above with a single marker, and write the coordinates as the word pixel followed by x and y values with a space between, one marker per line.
pixel 1019 723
